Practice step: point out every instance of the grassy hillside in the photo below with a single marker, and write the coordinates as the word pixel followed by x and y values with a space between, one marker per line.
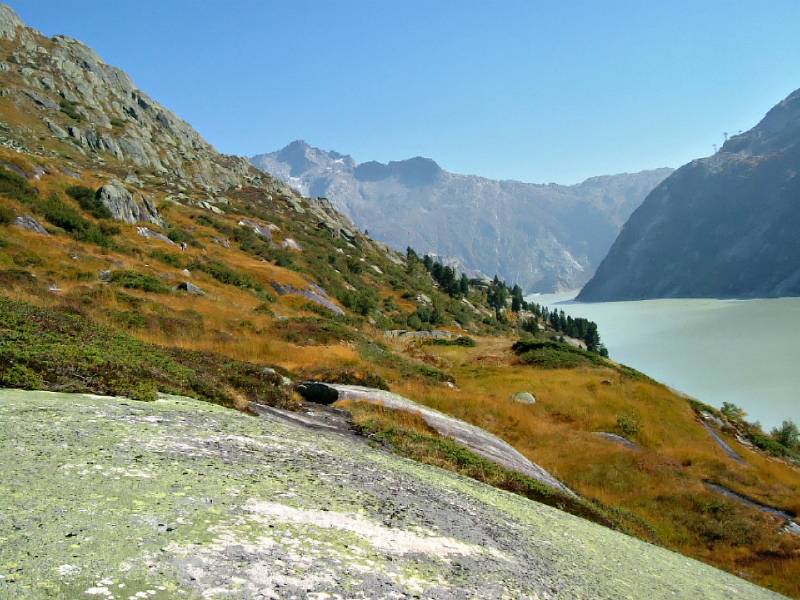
pixel 79 315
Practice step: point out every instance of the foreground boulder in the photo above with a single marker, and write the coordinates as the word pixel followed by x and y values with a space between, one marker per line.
pixel 112 498
pixel 476 439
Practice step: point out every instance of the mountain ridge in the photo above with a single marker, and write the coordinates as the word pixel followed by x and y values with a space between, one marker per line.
pixel 546 237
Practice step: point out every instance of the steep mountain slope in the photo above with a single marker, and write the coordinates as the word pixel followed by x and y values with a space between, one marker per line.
pixel 544 237
pixel 197 275
pixel 722 226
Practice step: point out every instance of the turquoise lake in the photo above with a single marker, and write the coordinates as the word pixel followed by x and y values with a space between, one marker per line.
pixel 741 351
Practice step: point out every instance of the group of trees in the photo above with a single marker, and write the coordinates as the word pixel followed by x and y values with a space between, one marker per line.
pixel 447 277
pixel 574 327
pixel 498 293
pixel 787 435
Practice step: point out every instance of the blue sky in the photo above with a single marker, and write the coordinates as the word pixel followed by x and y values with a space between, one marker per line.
pixel 529 90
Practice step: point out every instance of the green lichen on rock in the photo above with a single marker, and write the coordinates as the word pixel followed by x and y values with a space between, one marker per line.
pixel 109 497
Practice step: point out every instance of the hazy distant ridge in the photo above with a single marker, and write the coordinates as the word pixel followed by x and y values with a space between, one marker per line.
pixel 545 237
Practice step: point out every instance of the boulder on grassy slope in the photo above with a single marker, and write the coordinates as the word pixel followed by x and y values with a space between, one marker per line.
pixel 476 439
pixel 123 207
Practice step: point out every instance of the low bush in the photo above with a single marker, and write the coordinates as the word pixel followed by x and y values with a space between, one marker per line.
pixel 224 274
pixel 178 235
pixel 462 340
pixel 58 349
pixel 7 215
pixel 17 187
pixel 550 354
pixel 168 258
pixel 65 217
pixel 134 280
pixel 313 331
pixel 362 301
pixel 628 425
pixel 88 201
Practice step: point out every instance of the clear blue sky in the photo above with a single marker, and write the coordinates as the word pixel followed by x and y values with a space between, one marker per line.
pixel 529 90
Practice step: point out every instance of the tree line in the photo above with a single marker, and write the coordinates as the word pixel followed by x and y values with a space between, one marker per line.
pixel 498 293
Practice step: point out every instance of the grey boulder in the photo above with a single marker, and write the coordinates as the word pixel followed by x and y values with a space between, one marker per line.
pixel 123 207
pixel 30 224
pixel 190 288
pixel 524 398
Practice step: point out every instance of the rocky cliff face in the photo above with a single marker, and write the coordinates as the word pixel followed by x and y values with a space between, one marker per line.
pixel 545 237
pixel 723 226
pixel 60 100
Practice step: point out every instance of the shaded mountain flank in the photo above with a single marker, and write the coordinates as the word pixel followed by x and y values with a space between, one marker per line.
pixel 724 226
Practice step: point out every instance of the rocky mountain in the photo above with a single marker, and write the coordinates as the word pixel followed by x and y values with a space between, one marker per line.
pixel 544 237
pixel 722 226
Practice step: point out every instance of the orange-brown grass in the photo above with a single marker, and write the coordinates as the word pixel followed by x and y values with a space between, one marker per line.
pixel 662 482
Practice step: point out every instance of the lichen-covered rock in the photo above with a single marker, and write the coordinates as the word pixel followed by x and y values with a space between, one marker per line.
pixel 290 244
pixel 524 398
pixel 190 288
pixel 476 439
pixel 154 235
pixel 120 202
pixel 264 231
pixel 117 499
pixel 28 223
pixel 314 293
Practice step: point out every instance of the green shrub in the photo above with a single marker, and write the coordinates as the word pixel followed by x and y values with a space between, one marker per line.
pixel 362 301
pixel 133 280
pixel 551 354
pixel 67 352
pixel 168 258
pixel 224 274
pixel 17 187
pixel 462 340
pixel 7 215
pixel 628 425
pixel 787 435
pixel 179 235
pixel 70 109
pixel 117 123
pixel 88 201
pixel 732 412
pixel 143 391
pixel 68 219
pixel 20 376
pixel 313 331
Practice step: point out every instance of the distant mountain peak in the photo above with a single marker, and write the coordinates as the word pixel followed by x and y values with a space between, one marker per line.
pixel 544 237
pixel 415 172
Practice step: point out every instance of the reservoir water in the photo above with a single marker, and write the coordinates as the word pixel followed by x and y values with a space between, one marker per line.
pixel 741 351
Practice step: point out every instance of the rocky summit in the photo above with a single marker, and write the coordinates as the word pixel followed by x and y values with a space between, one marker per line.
pixel 724 226
pixel 544 237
